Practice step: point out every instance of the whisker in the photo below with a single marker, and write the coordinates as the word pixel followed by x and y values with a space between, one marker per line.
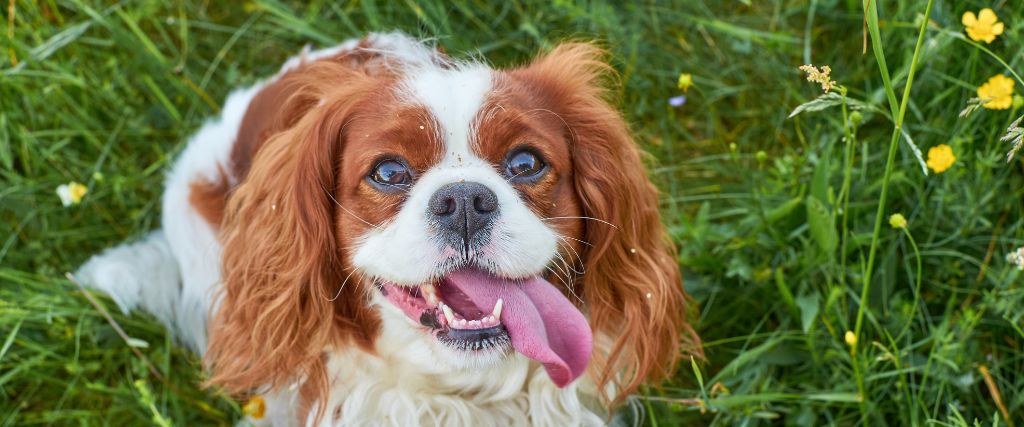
pixel 544 110
pixel 578 240
pixel 578 257
pixel 566 268
pixel 582 217
pixel 346 209
pixel 400 188
pixel 563 267
pixel 392 205
pixel 565 284
pixel 343 285
pixel 513 176
pixel 558 254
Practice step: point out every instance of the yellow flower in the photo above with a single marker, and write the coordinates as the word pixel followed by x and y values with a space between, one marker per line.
pixel 940 158
pixel 71 193
pixel 851 338
pixel 997 92
pixel 685 81
pixel 984 27
pixel 897 221
pixel 255 408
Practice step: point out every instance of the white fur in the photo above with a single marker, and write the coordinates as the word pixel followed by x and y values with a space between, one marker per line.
pixel 140 274
pixel 410 380
pixel 521 244
pixel 409 386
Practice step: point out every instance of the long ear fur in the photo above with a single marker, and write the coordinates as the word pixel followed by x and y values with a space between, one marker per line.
pixel 632 287
pixel 283 302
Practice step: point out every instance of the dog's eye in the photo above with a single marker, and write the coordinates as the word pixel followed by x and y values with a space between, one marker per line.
pixel 523 164
pixel 391 173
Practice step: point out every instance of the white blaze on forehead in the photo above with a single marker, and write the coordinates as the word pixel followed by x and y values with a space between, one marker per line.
pixel 406 250
pixel 454 97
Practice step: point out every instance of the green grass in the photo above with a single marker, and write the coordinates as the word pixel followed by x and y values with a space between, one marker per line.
pixel 776 217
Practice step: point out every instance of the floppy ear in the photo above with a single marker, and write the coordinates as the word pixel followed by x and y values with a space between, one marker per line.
pixel 632 287
pixel 283 301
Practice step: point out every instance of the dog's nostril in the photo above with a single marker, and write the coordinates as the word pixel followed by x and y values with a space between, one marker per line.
pixel 485 204
pixel 462 209
pixel 446 207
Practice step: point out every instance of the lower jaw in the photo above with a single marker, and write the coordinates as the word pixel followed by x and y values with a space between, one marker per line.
pixel 477 339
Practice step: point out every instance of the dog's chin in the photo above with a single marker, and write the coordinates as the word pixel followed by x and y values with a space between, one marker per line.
pixel 473 317
pixel 427 348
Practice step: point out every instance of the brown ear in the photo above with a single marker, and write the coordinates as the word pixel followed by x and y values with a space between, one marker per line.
pixel 631 286
pixel 283 302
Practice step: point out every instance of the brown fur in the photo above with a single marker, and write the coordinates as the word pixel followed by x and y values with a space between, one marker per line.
pixel 516 118
pixel 635 258
pixel 287 228
pixel 283 302
pixel 208 198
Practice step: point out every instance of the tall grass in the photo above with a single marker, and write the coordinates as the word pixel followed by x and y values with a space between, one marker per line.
pixel 781 222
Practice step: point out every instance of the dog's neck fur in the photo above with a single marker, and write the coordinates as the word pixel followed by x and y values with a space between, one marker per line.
pixel 400 386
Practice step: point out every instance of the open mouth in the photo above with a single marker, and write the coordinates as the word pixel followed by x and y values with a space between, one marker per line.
pixel 458 324
pixel 474 311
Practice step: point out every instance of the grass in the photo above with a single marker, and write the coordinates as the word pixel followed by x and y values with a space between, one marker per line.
pixel 782 222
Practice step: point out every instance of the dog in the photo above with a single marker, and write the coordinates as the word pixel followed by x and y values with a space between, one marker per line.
pixel 380 234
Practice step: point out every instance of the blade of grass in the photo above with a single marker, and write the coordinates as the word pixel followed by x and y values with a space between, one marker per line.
pixel 898 114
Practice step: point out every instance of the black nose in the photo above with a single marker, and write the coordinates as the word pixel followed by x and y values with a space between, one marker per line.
pixel 463 208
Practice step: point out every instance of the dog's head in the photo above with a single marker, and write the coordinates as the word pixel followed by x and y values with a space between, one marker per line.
pixel 482 211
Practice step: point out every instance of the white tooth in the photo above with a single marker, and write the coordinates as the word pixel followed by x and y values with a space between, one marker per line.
pixel 461 323
pixel 497 310
pixel 448 315
pixel 429 294
pixel 489 320
pixel 474 323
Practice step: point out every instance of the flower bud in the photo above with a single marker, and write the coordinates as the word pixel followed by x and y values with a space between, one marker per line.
pixel 856 118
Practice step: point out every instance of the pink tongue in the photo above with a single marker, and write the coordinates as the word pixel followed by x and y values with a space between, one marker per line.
pixel 541 322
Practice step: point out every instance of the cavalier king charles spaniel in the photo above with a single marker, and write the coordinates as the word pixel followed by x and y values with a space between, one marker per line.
pixel 381 234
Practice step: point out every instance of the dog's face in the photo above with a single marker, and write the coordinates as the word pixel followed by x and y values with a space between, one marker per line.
pixel 458 193
pixel 480 211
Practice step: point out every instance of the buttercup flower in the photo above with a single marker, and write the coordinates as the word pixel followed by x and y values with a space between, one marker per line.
pixel 997 92
pixel 71 193
pixel 255 408
pixel 984 27
pixel 821 77
pixel 940 158
pixel 851 338
pixel 897 221
pixel 685 81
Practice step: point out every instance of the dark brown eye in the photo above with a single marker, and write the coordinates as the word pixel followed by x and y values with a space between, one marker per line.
pixel 523 164
pixel 391 173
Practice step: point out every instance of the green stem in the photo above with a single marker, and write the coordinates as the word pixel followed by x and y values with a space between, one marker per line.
pixel 650 409
pixel 917 285
pixel 844 193
pixel 871 10
pixel 902 378
pixel 979 46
